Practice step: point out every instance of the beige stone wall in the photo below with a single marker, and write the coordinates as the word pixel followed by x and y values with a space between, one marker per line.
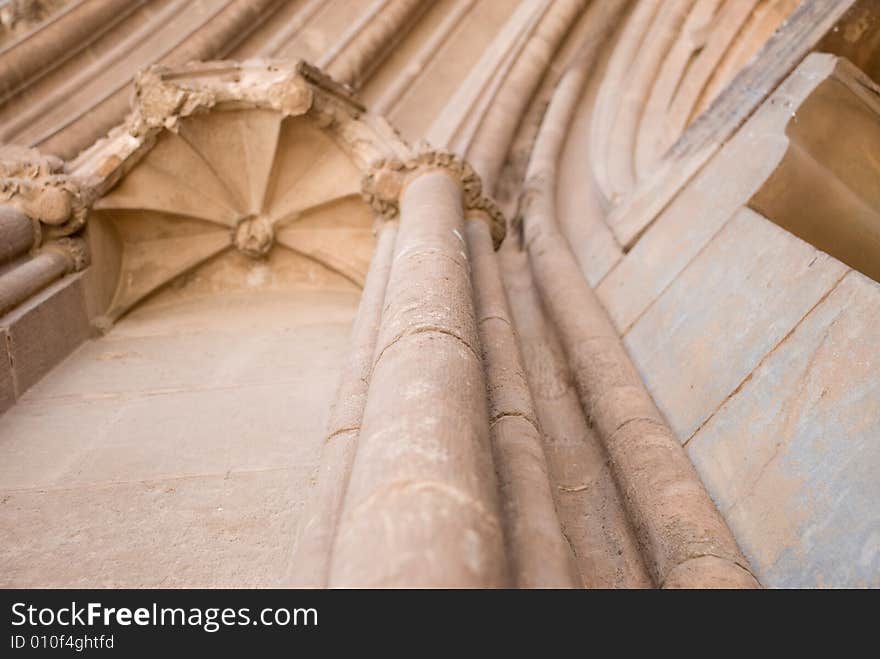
pixel 688 190
pixel 176 450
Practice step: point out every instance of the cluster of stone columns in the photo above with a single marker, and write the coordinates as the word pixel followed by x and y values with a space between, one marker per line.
pixel 228 26
pixel 684 540
pixel 23 274
pixel 433 472
pixel 317 530
pixel 539 554
pixel 444 482
pixel 71 31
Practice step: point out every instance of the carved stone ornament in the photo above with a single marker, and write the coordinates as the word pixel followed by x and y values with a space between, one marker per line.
pixel 39 187
pixel 164 97
pixel 387 178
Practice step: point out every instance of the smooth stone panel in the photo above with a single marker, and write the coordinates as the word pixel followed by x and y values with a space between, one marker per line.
pixel 39 445
pixel 732 305
pixel 125 365
pixel 792 459
pixel 177 449
pixel 212 431
pixel 221 530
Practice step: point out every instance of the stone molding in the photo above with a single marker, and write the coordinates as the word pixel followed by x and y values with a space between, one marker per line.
pixel 387 178
pixel 165 96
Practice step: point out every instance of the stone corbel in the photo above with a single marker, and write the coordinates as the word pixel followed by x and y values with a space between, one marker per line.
pixel 386 180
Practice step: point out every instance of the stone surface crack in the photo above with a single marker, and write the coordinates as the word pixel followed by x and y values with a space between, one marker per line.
pixel 426 329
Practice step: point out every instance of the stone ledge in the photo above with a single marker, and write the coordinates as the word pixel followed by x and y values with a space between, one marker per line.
pixel 40 333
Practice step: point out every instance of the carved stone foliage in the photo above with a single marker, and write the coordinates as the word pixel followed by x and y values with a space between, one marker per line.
pixel 239 161
pixel 386 179
pixel 38 186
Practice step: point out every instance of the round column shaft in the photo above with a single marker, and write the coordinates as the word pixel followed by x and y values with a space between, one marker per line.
pixel 421 507
pixel 16 233
pixel 33 275
pixel 311 559
pixel 540 555
pixel 685 541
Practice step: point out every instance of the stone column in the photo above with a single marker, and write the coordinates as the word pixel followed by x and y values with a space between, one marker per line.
pixel 540 555
pixel 52 262
pixel 16 233
pixel 421 507
pixel 489 147
pixel 311 557
pixel 43 209
pixel 685 541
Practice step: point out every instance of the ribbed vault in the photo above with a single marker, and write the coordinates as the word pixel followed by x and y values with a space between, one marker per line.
pixel 219 180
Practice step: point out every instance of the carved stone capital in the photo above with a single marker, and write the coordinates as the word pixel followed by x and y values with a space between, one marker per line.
pixel 383 184
pixel 38 186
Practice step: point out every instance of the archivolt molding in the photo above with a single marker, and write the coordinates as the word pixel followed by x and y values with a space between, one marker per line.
pixel 387 178
pixel 779 34
pixel 672 59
